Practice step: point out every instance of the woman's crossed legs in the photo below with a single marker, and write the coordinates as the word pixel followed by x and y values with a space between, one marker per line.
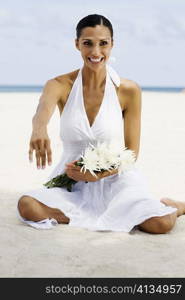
pixel 34 210
pixel 165 223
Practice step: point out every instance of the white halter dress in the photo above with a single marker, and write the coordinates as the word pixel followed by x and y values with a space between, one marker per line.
pixel 114 203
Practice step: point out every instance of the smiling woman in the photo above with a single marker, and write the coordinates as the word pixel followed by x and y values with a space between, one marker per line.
pixel 93 49
pixel 94 103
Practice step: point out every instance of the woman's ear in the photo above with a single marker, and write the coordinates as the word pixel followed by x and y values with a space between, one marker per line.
pixel 112 42
pixel 77 44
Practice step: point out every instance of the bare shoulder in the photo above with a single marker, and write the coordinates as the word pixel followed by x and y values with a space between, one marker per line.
pixel 56 90
pixel 61 82
pixel 129 87
pixel 66 79
pixel 64 84
pixel 129 93
pixel 52 86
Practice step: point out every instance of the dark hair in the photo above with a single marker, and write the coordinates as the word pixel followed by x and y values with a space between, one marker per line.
pixel 92 21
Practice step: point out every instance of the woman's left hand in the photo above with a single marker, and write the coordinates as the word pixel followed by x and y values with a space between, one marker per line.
pixel 73 172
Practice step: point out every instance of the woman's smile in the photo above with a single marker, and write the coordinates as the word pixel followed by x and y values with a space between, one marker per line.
pixel 95 60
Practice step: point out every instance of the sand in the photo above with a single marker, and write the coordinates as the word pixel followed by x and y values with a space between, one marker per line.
pixel 73 252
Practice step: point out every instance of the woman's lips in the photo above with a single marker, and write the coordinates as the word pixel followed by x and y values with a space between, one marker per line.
pixel 95 60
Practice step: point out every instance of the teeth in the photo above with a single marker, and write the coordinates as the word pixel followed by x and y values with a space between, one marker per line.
pixel 95 60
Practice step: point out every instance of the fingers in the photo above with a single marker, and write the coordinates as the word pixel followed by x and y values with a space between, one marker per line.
pixel 107 173
pixel 78 176
pixel 38 151
pixel 73 168
pixel 30 153
pixel 71 165
pixel 71 175
pixel 42 151
pixel 48 151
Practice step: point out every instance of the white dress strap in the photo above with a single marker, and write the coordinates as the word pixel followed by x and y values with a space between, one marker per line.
pixel 114 75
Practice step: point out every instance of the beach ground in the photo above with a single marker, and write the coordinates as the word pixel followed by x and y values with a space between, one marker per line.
pixel 73 252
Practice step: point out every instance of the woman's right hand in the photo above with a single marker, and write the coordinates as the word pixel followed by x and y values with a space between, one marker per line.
pixel 40 143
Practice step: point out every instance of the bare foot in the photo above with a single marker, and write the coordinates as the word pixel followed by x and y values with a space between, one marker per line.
pixel 178 204
pixel 59 216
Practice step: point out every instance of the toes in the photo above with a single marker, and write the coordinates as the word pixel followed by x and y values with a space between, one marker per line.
pixel 165 200
pixel 61 217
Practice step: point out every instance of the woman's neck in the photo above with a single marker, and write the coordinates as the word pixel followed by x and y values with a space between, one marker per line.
pixel 93 79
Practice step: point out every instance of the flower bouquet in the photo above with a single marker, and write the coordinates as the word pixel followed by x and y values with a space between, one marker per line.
pixel 100 158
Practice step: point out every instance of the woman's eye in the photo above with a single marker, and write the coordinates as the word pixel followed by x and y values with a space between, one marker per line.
pixel 104 43
pixel 87 43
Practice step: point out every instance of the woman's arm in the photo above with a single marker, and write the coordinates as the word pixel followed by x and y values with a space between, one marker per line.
pixel 39 141
pixel 132 116
pixel 47 103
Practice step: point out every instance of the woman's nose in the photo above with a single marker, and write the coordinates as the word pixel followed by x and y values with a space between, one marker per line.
pixel 95 51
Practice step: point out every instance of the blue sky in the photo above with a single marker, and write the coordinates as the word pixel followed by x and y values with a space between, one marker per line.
pixel 37 39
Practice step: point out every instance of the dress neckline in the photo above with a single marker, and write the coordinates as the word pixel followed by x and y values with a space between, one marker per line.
pixel 101 105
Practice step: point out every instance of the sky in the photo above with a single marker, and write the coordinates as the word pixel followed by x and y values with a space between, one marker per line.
pixel 37 39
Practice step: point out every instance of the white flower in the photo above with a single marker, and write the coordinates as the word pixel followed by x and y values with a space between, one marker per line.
pixel 107 156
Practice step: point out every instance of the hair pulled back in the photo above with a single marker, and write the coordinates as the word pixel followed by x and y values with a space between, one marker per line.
pixel 92 21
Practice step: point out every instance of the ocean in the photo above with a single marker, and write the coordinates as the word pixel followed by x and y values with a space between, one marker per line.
pixel 37 89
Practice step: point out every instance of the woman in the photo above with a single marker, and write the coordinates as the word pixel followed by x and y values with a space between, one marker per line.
pixel 92 102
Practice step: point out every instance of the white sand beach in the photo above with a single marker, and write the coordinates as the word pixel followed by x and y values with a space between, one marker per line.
pixel 73 252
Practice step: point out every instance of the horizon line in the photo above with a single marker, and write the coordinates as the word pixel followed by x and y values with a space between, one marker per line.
pixel 41 86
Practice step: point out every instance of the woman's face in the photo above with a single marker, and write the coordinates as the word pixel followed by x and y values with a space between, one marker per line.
pixel 95 45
